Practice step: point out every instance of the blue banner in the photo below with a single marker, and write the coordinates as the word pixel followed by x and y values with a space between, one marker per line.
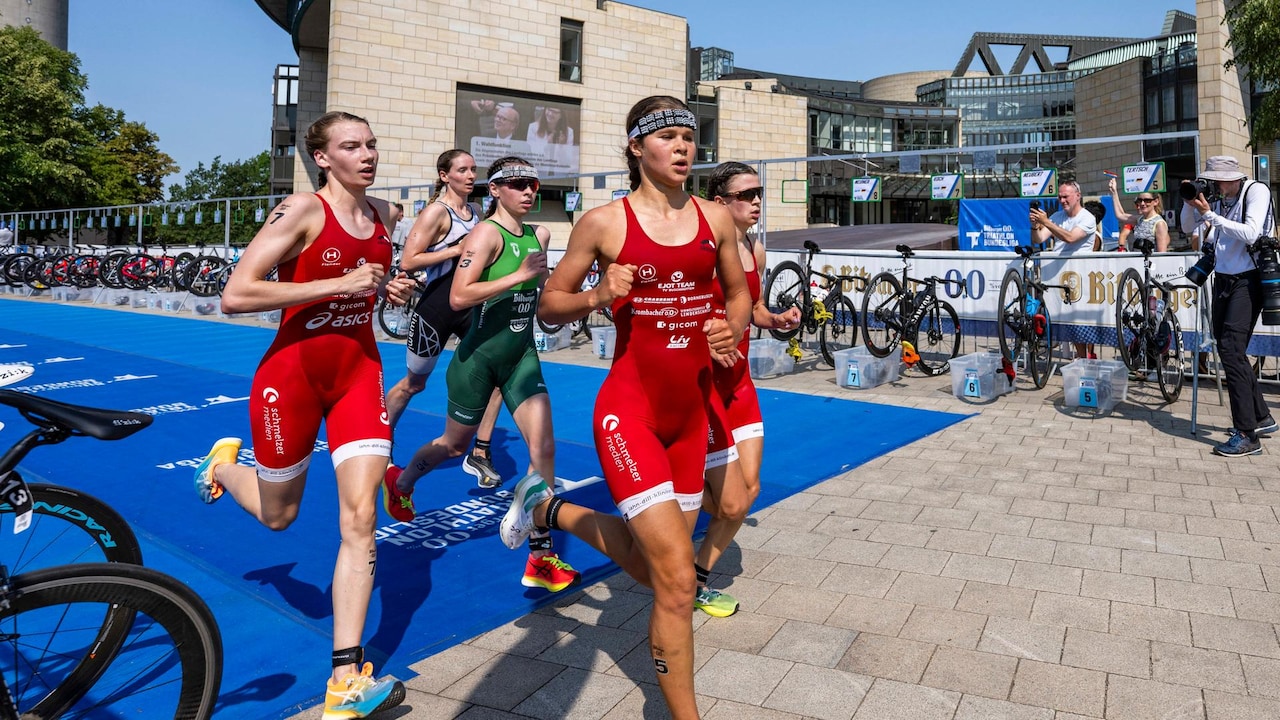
pixel 998 225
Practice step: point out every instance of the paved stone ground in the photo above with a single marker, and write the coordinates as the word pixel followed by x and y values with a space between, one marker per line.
pixel 1034 562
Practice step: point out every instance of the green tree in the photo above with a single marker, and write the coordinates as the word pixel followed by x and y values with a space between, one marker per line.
pixel 242 178
pixel 125 166
pixel 1255 35
pixel 55 152
pixel 40 89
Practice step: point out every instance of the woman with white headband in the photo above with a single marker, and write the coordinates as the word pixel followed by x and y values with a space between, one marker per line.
pixel 503 262
pixel 660 250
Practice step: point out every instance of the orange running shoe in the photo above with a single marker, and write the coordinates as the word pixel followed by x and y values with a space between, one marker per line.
pixel 397 504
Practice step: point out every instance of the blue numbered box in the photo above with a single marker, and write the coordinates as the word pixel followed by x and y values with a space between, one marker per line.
pixel 1097 385
pixel 858 369
pixel 979 377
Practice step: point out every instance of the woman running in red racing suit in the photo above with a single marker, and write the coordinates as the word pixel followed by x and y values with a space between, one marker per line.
pixel 660 250
pixel 332 249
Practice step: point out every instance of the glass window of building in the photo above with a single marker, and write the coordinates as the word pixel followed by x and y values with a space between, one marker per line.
pixel 570 50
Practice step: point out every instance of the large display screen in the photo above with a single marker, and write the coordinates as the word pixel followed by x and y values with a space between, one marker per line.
pixel 493 123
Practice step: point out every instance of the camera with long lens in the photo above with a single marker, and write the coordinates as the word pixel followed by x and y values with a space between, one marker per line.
pixel 1200 272
pixel 1191 188
pixel 1268 259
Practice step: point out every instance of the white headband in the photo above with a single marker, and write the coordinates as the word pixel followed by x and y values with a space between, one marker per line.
pixel 514 171
pixel 659 119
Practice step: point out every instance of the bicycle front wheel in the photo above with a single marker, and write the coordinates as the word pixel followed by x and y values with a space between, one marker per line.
pixel 1131 320
pixel 936 337
pixel 882 314
pixel 395 321
pixel 1168 356
pixel 1040 350
pixel 841 331
pixel 1012 319
pixel 68 526
pixel 784 290
pixel 52 638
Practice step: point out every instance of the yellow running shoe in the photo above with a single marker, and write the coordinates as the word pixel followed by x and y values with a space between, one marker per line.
pixel 224 451
pixel 360 695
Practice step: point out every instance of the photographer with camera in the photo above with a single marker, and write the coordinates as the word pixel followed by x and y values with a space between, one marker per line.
pixel 1231 213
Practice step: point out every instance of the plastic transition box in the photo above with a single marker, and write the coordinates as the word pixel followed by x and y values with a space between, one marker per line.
pixel 1096 384
pixel 602 341
pixel 550 342
pixel 858 369
pixel 768 357
pixel 979 377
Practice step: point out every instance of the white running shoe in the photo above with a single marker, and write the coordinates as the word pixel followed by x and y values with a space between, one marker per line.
pixel 517 523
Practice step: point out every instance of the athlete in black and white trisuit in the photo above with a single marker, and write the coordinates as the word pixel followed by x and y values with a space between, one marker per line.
pixel 430 252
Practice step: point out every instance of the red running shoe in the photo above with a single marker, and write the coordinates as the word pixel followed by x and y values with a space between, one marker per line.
pixel 397 504
pixel 549 572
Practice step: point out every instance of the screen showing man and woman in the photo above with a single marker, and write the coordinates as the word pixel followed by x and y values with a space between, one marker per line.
pixel 492 124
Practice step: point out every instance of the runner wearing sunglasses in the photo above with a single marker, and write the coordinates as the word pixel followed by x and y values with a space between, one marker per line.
pixel 736 440
pixel 659 250
pixel 503 262
pixel 431 252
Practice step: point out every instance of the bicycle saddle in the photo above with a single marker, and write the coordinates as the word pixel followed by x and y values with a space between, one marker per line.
pixel 905 251
pixel 94 422
pixel 812 246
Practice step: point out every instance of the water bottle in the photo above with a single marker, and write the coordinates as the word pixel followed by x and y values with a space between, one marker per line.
pixel 1033 305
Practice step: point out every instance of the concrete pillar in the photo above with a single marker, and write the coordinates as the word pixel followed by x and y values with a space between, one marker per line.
pixel 1222 104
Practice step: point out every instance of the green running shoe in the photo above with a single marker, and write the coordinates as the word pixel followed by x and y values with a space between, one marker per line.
pixel 715 603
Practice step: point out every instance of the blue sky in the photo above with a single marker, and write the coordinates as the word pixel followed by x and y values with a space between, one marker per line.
pixel 198 74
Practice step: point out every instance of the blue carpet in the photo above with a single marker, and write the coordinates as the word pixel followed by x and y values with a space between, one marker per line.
pixel 440 581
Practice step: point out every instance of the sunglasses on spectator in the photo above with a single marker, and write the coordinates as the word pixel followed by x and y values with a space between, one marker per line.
pixel 521 184
pixel 1145 200
pixel 748 195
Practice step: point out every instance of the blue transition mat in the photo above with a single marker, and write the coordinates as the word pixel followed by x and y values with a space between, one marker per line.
pixel 442 579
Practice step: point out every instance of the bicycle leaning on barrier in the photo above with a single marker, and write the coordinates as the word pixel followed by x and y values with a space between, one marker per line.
pixel 1023 323
pixel 831 317
pixel 90 639
pixel 892 313
pixel 1147 328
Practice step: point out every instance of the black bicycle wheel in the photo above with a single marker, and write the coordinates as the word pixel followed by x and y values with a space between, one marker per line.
pixel 1168 356
pixel 936 337
pixel 840 332
pixel 201 275
pixel 68 526
pixel 881 317
pixel 1011 318
pixel 15 268
pixel 393 320
pixel 1040 348
pixel 109 269
pixel 139 272
pixel 52 641
pixel 784 290
pixel 1131 320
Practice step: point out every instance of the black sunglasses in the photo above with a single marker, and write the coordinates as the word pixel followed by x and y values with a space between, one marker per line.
pixel 748 195
pixel 1144 200
pixel 521 184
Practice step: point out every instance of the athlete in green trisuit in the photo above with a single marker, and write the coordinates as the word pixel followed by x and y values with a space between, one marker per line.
pixel 502 265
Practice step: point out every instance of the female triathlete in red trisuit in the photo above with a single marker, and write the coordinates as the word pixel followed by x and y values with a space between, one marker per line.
pixel 660 249
pixel 736 442
pixel 332 249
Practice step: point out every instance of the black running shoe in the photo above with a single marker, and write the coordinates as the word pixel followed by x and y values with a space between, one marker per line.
pixel 482 470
